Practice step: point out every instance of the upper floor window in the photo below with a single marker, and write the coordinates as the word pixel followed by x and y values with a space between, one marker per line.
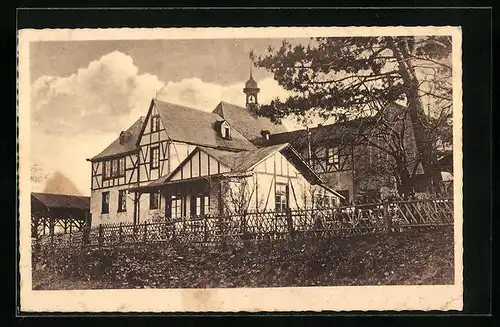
pixel 121 167
pixel 155 123
pixel 332 156
pixel 122 201
pixel 113 168
pixel 155 157
pixel 106 170
pixel 105 202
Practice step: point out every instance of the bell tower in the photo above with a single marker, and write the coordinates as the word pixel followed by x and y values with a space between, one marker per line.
pixel 251 91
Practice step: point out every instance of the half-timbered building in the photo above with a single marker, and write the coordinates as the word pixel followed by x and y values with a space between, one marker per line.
pixel 347 154
pixel 183 162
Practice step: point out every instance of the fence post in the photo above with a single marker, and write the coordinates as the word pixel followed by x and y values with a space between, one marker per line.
pixel 85 234
pixel 71 223
pixel 100 238
pixel 289 221
pixel 145 236
pixel 205 232
pixel 120 237
pixel 387 218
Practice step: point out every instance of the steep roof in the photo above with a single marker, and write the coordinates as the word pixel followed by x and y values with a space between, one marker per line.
pixel 129 145
pixel 247 123
pixel 58 201
pixel 341 132
pixel 198 127
pixel 338 132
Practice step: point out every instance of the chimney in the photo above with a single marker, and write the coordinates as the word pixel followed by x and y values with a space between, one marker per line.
pixel 124 137
pixel 266 134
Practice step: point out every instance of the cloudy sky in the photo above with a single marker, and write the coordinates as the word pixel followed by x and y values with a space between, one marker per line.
pixel 85 92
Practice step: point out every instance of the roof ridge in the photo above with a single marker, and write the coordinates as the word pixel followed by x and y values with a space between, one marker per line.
pixel 58 194
pixel 184 106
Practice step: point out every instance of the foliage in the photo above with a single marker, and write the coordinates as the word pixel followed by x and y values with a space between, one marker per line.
pixel 361 76
pixel 237 194
pixel 418 257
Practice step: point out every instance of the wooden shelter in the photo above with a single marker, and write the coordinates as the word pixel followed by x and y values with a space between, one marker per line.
pixel 51 213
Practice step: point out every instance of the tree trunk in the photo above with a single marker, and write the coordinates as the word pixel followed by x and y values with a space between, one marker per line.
pixel 423 137
pixel 405 184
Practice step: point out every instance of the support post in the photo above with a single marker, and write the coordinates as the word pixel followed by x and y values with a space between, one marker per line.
pixel 51 230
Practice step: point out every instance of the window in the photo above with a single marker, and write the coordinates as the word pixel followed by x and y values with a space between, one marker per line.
pixel 225 130
pixel 332 157
pixel 281 197
pixel 206 205
pixel 176 207
pixel 122 201
pixel 121 167
pixel 105 202
pixel 199 205
pixel 106 170
pixel 155 157
pixel 251 99
pixel 155 123
pixel 114 168
pixel 154 200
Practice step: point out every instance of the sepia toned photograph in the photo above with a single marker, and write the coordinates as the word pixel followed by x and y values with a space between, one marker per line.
pixel 240 169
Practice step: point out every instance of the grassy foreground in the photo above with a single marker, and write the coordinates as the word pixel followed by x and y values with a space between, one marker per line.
pixel 408 258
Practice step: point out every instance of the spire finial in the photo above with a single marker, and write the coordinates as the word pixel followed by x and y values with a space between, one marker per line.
pixel 251 69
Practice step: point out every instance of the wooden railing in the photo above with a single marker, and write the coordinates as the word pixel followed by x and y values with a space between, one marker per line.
pixel 257 226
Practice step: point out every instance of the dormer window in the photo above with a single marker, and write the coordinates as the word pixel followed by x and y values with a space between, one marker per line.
pixel 266 135
pixel 225 130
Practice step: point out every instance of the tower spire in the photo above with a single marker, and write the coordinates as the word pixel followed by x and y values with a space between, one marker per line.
pixel 251 91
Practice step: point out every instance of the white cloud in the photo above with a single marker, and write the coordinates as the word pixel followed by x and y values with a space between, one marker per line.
pixel 197 93
pixel 76 117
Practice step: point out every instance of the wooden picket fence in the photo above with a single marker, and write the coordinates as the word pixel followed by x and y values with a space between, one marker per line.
pixel 265 225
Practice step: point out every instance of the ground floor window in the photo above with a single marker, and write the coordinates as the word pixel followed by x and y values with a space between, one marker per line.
pixel 199 205
pixel 176 207
pixel 281 197
pixel 105 202
pixel 154 200
pixel 122 201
